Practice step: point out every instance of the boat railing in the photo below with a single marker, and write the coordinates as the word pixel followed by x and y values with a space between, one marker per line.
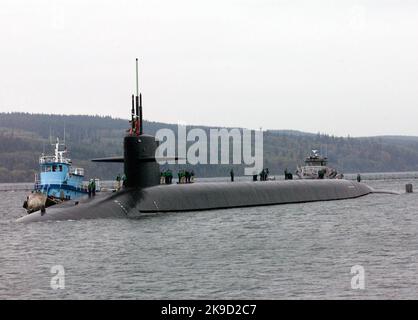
pixel 56 181
pixel 77 171
pixel 51 182
pixel 46 186
pixel 316 162
pixel 52 159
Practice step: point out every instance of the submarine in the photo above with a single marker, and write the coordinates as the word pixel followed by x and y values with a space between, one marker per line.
pixel 143 194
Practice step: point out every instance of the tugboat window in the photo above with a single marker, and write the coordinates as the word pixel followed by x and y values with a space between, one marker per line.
pixel 60 167
pixel 54 168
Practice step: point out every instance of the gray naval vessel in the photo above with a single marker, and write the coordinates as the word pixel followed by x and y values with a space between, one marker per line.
pixel 143 194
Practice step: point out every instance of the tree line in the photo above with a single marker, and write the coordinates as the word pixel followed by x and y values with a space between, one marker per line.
pixel 24 136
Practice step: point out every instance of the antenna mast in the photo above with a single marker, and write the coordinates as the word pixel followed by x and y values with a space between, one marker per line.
pixel 140 114
pixel 137 86
pixel 138 100
pixel 136 114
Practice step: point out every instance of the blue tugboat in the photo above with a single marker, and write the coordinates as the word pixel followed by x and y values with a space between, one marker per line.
pixel 58 181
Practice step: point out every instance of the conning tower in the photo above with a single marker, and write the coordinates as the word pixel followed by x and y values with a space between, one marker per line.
pixel 140 166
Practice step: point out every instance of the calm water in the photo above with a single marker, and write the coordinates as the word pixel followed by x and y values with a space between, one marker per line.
pixel 288 251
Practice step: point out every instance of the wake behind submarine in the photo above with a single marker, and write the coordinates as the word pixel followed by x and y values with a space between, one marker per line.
pixel 143 194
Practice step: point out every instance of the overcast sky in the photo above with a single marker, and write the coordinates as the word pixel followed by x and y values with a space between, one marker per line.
pixel 338 67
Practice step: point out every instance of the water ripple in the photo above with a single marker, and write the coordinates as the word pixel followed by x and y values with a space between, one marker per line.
pixel 291 251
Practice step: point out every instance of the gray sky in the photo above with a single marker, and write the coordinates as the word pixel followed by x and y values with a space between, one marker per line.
pixel 338 67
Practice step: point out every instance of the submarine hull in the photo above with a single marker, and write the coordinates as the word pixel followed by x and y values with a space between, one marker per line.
pixel 132 202
pixel 204 196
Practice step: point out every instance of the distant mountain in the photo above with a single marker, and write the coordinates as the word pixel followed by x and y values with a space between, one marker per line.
pixel 24 136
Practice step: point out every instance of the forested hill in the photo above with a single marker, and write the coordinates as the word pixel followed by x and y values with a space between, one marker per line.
pixel 24 136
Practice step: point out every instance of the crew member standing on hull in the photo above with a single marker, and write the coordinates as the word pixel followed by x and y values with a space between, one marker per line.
pixel 288 175
pixel 264 174
pixel 93 187
pixel 187 175
pixel 170 176
pixel 89 188
pixel 118 179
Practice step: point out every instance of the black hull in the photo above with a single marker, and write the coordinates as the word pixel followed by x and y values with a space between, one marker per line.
pixel 132 202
